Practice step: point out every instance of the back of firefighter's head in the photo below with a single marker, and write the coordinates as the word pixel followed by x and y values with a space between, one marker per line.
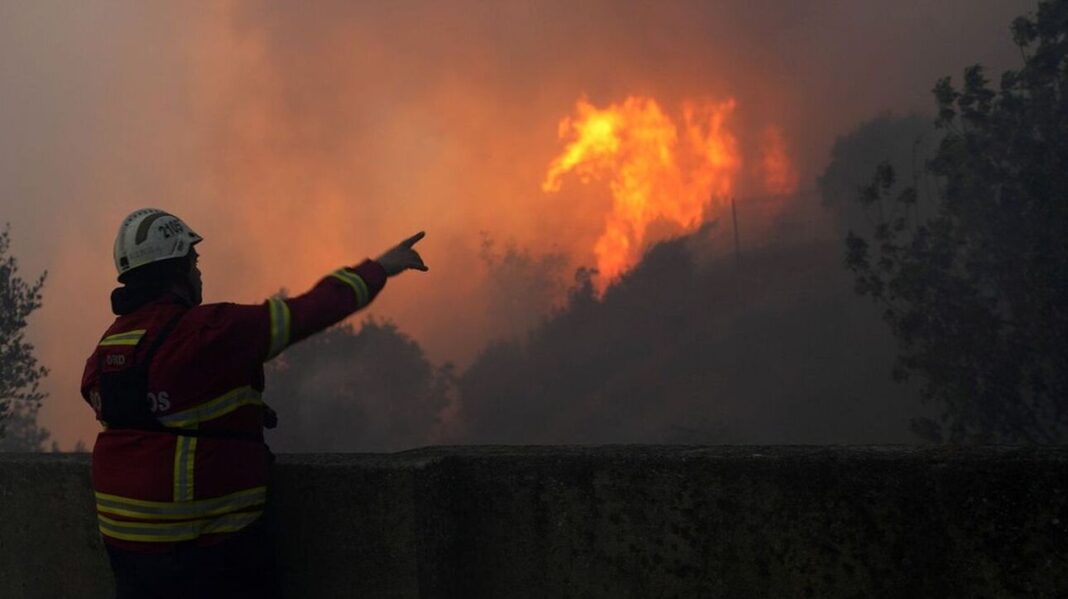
pixel 154 254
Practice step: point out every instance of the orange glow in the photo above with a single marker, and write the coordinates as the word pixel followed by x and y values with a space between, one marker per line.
pixel 779 174
pixel 656 170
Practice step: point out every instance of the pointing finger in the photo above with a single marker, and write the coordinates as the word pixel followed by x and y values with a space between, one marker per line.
pixel 413 239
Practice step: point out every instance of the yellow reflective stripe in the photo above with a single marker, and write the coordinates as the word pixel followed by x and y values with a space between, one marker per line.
pixel 111 342
pixel 162 532
pixel 184 460
pixel 136 333
pixel 127 338
pixel 187 510
pixel 356 282
pixel 215 408
pixel 280 325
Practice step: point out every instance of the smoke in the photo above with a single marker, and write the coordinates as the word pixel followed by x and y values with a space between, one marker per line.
pixel 296 139
pixel 903 142
pixel 520 290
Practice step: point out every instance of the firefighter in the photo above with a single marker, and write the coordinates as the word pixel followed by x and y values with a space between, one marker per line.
pixel 180 471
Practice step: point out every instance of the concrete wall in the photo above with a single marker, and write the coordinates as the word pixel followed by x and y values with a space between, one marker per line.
pixel 628 521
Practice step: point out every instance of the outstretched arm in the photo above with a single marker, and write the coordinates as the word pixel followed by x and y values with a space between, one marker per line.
pixel 337 295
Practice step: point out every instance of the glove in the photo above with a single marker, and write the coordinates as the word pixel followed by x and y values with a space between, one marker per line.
pixel 403 257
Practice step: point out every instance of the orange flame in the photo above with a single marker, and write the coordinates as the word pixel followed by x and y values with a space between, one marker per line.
pixel 653 176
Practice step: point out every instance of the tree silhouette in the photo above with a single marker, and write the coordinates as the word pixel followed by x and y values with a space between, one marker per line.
pixel 20 374
pixel 347 390
pixel 686 348
pixel 977 291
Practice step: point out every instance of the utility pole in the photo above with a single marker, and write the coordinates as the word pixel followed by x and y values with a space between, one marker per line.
pixel 737 245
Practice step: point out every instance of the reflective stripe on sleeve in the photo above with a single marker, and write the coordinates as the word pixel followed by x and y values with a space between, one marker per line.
pixel 280 325
pixel 363 296
pixel 185 451
pixel 186 510
pixel 162 532
pixel 127 338
pixel 215 408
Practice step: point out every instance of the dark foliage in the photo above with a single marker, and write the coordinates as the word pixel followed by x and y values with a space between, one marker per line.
pixel 345 390
pixel 20 374
pixel 976 292
pixel 688 348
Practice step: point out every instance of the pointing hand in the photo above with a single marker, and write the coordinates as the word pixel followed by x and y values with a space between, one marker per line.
pixel 403 257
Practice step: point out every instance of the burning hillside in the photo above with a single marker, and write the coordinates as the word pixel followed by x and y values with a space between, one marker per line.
pixel 678 171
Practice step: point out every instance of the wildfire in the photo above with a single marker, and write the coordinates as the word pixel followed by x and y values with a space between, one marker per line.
pixel 657 170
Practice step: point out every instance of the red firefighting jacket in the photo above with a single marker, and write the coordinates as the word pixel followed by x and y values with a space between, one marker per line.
pixel 157 488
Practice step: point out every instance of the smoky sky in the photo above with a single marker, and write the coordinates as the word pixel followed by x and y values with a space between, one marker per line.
pixel 297 137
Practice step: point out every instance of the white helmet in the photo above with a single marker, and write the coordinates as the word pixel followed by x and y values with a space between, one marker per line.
pixel 150 235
